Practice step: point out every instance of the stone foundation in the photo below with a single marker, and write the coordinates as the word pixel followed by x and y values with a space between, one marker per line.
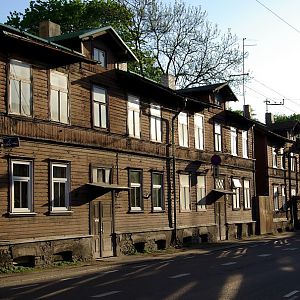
pixel 42 253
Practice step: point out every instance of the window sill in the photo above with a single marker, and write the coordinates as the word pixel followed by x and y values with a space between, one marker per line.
pixel 135 211
pixel 21 214
pixel 186 211
pixel 248 208
pixel 202 210
pixel 236 209
pixel 158 211
pixel 61 213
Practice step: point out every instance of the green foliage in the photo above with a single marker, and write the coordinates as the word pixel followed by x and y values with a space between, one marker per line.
pixel 283 118
pixel 72 15
pixel 15 269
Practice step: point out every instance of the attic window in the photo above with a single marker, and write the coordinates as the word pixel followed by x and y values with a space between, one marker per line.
pixel 218 99
pixel 100 57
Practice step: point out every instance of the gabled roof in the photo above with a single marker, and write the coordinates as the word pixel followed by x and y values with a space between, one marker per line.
pixel 14 39
pixel 151 88
pixel 93 33
pixel 211 89
pixel 289 125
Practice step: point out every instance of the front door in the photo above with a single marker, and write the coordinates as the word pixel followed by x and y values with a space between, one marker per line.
pixel 220 219
pixel 101 219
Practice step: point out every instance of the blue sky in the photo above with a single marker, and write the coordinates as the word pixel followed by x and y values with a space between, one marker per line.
pixel 274 60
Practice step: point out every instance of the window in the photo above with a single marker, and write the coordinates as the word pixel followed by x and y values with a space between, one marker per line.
pixel 133 117
pixel 21 186
pixel 281 158
pixel 101 175
pixel 100 57
pixel 233 139
pixel 184 192
pixel 245 143
pixel 247 199
pixel 218 137
pixel 157 191
pixel 59 105
pixel 99 107
pixel 283 196
pixel 135 194
pixel 199 131
pixel 155 123
pixel 219 183
pixel 60 186
pixel 20 93
pixel 276 197
pixel 236 185
pixel 183 129
pixel 274 158
pixel 292 162
pixel 201 193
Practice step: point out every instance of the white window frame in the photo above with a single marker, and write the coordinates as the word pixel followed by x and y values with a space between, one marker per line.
pixel 183 133
pixel 276 197
pixel 100 56
pixel 283 197
pixel 201 192
pixel 236 199
pixel 281 159
pixel 292 162
pixel 184 183
pixel 233 141
pixel 160 190
pixel 247 195
pixel 245 143
pixel 274 158
pixel 99 97
pixel 199 131
pixel 61 91
pixel 155 123
pixel 28 180
pixel 133 187
pixel 22 79
pixel 133 117
pixel 65 180
pixel 218 137
pixel 106 174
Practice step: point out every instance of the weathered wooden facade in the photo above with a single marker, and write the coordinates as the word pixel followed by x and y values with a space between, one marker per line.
pixel 277 171
pixel 97 161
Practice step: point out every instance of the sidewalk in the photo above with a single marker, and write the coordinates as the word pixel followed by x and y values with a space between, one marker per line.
pixel 106 264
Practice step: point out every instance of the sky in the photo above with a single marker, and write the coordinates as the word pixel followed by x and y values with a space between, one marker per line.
pixel 272 43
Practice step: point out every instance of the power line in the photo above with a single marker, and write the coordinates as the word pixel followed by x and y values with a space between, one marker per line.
pixel 276 15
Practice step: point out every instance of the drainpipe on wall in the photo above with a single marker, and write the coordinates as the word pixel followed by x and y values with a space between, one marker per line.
pixel 290 187
pixel 174 169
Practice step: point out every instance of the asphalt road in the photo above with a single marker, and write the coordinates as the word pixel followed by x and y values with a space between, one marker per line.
pixel 267 269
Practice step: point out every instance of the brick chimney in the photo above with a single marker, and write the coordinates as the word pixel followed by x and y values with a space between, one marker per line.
pixel 247 111
pixel 168 80
pixel 269 119
pixel 49 29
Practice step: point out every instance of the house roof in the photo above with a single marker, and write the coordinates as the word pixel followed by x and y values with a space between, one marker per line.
pixel 96 32
pixel 211 88
pixel 21 38
pixel 144 85
pixel 289 125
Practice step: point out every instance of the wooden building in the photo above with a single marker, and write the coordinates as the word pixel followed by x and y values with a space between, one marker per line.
pixel 277 171
pixel 97 161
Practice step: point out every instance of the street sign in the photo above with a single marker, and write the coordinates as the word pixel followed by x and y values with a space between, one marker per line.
pixel 216 160
pixel 10 142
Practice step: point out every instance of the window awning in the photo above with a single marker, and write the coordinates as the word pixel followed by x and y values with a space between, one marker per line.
pixel 225 192
pixel 109 186
pixel 236 183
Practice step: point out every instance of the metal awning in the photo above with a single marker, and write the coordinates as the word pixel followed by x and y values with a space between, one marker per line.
pixel 225 192
pixel 109 186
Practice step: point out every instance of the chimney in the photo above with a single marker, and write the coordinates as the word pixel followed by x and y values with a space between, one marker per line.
pixel 168 80
pixel 49 29
pixel 247 111
pixel 269 119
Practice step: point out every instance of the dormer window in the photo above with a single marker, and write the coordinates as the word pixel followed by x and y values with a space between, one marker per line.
pixel 100 57
pixel 218 99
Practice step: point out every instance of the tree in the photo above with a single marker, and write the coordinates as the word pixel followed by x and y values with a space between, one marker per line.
pixel 283 118
pixel 72 15
pixel 182 42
